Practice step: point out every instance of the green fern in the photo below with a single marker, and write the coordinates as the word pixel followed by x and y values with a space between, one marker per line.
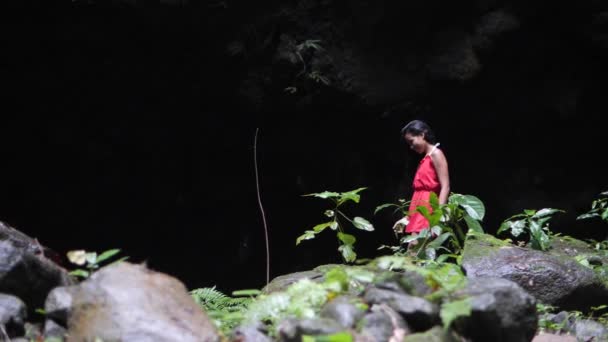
pixel 226 312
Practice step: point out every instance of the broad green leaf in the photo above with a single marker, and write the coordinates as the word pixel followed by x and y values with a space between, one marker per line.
pixel 605 215
pixel 529 212
pixel 473 224
pixel 430 253
pixel 424 233
pixel 506 225
pixel 452 310
pixel 350 196
pixel 444 257
pixel 582 259
pixel 517 227
pixel 80 273
pixel 321 226
pixel 471 204
pixel 309 234
pixel 324 194
pixel 436 243
pixel 545 212
pixel 386 205
pixel 409 238
pixel 363 224
pixel 107 254
pixel 434 200
pixel 348 253
pixel 424 211
pixel 347 239
pixel 91 258
pixel 474 207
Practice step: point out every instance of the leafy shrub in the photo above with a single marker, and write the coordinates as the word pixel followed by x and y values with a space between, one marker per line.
pixel 336 216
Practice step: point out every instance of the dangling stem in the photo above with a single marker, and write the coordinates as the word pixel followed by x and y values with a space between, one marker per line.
pixel 257 184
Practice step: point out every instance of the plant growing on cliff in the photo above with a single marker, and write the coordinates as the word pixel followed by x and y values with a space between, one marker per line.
pixel 336 222
pixel 535 223
pixel 599 208
pixel 446 224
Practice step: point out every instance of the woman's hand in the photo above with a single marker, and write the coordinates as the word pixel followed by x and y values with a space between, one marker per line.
pixel 400 225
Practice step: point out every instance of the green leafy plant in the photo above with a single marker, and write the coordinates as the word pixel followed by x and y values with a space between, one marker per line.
pixel 336 222
pixel 599 208
pixel 226 312
pixel 446 225
pixel 533 222
pixel 90 260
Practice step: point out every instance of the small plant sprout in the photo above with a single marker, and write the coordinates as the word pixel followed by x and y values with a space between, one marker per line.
pixel 336 222
pixel 90 260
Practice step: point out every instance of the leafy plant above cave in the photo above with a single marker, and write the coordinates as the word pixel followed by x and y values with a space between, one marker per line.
pixel 599 208
pixel 533 222
pixel 337 220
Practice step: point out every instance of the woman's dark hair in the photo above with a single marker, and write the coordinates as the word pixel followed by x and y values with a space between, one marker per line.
pixel 417 127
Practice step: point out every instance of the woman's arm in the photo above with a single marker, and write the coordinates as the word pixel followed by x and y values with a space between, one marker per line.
pixel 441 166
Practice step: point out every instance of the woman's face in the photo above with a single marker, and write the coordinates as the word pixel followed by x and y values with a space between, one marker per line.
pixel 415 142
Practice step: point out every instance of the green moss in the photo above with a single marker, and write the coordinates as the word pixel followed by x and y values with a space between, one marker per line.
pixel 480 245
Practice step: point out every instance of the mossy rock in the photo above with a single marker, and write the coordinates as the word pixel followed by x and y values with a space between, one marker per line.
pixel 553 277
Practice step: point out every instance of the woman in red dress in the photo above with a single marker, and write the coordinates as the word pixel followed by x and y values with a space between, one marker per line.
pixel 431 176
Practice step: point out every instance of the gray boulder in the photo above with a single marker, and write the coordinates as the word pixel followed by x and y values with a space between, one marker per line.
pixel 12 315
pixel 343 310
pixel 419 313
pixel 291 330
pixel 24 270
pixel 127 302
pixel 553 279
pixel 382 324
pixel 500 311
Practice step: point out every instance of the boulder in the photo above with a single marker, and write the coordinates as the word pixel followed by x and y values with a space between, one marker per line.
pixel 418 313
pixel 12 315
pixel 24 270
pixel 500 311
pixel 553 279
pixel 127 302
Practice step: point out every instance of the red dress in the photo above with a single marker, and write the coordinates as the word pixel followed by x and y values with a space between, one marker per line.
pixel 425 182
